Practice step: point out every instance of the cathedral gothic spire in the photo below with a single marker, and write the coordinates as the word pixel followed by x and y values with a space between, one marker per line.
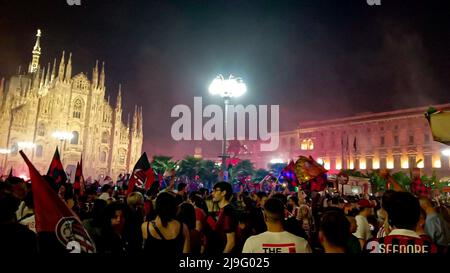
pixel 119 98
pixel 61 68
pixel 68 74
pixel 36 54
pixel 53 71
pixel 95 75
pixel 102 76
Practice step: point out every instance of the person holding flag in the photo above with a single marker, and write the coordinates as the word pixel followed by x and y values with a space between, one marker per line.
pixel 58 228
pixel 142 176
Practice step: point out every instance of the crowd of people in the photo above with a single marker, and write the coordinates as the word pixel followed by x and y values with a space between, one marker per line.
pixel 176 220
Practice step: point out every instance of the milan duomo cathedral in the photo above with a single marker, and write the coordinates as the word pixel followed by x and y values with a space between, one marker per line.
pixel 39 108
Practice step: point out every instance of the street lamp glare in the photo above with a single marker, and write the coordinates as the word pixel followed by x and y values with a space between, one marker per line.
pixel 227 88
pixel 62 135
pixel 446 152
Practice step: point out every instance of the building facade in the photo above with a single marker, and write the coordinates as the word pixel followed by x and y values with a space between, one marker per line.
pixel 45 100
pixel 396 140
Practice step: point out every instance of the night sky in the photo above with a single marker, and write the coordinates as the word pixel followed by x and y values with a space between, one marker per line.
pixel 317 59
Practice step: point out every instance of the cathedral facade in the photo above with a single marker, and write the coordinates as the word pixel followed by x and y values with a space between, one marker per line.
pixel 40 108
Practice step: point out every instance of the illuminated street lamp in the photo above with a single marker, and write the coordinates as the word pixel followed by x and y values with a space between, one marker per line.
pixel 62 136
pixel 227 89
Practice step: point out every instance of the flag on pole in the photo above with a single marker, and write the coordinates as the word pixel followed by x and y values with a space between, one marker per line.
pixel 56 169
pixel 79 179
pixel 142 176
pixel 54 218
pixel 440 125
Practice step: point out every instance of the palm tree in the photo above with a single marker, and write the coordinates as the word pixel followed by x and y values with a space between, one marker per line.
pixel 243 168
pixel 162 163
pixel 208 172
pixel 189 167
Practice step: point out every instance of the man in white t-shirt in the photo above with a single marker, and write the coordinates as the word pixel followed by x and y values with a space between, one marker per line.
pixel 275 239
pixel 363 232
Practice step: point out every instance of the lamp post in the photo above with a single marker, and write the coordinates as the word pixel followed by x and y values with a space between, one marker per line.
pixel 62 136
pixel 227 89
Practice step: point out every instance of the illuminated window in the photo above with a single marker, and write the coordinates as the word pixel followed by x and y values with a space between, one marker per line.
pixel 103 156
pixel 105 137
pixel 39 151
pixel 74 140
pixel 77 108
pixel 310 144
pixel 307 144
pixel 41 129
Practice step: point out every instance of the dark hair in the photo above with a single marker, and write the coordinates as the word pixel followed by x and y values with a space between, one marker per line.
pixel 274 209
pixel 110 213
pixel 199 202
pixel 261 194
pixel 166 207
pixel 8 208
pixel 335 227
pixel 225 186
pixel 294 198
pixel 181 186
pixel 186 215
pixel 280 197
pixel 98 211
pixel 203 191
pixel 105 187
pixel 248 203
pixel 386 199
pixel 403 210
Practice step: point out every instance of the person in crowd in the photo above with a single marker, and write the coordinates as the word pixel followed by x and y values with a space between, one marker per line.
pixel 403 213
pixel 334 232
pixel 25 213
pixel 181 193
pixel 276 239
pixel 95 221
pixel 363 232
pixel 261 198
pixel 353 245
pixel 107 193
pixel 291 224
pixel 227 222
pixel 111 240
pixel 165 235
pixel 15 238
pixel 292 206
pixel 435 225
pixel 186 215
pixel 134 217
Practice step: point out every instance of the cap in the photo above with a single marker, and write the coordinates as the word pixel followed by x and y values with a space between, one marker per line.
pixel 364 203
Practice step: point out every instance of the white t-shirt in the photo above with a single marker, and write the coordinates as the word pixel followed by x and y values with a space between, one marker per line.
pixel 276 242
pixel 363 228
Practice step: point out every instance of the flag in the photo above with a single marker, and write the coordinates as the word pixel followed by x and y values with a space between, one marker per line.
pixel 439 122
pixel 53 217
pixel 56 169
pixel 289 173
pixel 79 179
pixel 142 176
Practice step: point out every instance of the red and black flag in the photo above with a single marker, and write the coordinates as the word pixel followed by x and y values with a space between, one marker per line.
pixel 79 184
pixel 142 176
pixel 55 221
pixel 289 174
pixel 56 169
